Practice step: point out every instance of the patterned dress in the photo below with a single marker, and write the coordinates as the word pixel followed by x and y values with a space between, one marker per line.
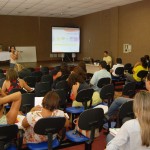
pixel 32 118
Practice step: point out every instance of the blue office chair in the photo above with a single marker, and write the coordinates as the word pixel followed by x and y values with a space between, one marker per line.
pixel 142 75
pixel 90 119
pixel 47 126
pixel 8 135
pixel 83 96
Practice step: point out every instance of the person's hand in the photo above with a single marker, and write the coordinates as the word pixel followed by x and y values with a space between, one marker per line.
pixel 2 93
pixel 36 108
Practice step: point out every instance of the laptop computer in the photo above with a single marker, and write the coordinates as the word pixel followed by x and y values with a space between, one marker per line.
pixel 38 101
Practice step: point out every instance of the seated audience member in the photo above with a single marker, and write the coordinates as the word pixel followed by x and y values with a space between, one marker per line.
pixel 82 65
pixel 135 133
pixel 118 64
pixel 22 72
pixel 107 58
pixel 143 66
pixel 49 108
pixel 79 71
pixel 116 104
pixel 77 83
pixel 102 73
pixel 11 116
pixel 12 81
pixel 140 63
pixel 64 70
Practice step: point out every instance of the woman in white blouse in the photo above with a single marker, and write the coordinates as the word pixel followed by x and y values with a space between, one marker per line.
pixel 135 134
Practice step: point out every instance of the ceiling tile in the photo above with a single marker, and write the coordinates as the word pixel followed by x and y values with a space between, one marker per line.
pixel 57 8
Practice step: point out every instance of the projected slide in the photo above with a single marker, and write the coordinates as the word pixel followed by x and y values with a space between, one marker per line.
pixel 65 40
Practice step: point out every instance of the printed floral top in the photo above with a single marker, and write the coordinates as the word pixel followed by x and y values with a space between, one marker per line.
pixel 32 118
pixel 3 120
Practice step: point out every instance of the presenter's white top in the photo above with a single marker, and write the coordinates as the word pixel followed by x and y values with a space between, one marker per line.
pixel 13 61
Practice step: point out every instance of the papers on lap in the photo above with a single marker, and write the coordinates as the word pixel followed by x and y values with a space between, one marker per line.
pixel 19 121
pixel 38 101
pixel 114 131
pixel 105 108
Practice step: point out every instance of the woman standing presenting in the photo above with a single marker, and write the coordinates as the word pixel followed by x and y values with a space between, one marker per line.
pixel 13 56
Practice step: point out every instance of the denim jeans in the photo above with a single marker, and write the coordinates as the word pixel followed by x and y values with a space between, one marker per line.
pixel 116 105
pixel 12 65
pixel 109 138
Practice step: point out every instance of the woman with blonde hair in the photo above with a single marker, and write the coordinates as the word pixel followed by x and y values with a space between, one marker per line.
pixel 135 133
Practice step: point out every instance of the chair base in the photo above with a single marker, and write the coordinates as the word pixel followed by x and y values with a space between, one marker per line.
pixel 75 110
pixel 75 136
pixel 42 145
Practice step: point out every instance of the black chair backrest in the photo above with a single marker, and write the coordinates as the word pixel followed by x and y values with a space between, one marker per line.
pixel 24 73
pixel 41 88
pixel 8 132
pixel 103 81
pixel 49 125
pixel 62 85
pixel 47 78
pixel 119 71
pixel 127 67
pixel 108 68
pixel 57 67
pixel 107 93
pixel 84 96
pixel 1 71
pixel 126 110
pixel 31 69
pixel 64 77
pixel 37 75
pixel 63 97
pixel 91 119
pixel 44 70
pixel 27 102
pixel 53 72
pixel 2 75
pixel 88 77
pixel 129 89
pixel 142 74
pixel 30 80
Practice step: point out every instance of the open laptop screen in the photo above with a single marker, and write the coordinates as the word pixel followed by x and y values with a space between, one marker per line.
pixel 38 101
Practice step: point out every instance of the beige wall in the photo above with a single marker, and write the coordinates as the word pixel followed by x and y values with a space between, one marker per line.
pixel 110 29
pixel 134 28
pixel 30 31
pixel 105 30
pixel 95 34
